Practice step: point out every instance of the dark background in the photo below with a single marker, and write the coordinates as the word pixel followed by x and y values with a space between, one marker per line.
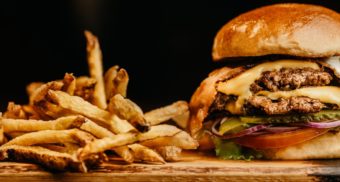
pixel 165 46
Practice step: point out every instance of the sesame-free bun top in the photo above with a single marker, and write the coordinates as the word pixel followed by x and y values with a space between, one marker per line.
pixel 300 30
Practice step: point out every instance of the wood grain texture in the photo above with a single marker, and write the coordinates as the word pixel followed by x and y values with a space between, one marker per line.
pixel 193 167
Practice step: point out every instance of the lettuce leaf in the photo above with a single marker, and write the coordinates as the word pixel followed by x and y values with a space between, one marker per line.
pixel 228 150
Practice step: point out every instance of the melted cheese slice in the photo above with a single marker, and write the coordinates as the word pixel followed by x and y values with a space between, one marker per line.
pixel 334 62
pixel 240 85
pixel 326 94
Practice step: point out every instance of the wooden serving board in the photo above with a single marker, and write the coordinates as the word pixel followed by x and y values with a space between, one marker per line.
pixel 193 167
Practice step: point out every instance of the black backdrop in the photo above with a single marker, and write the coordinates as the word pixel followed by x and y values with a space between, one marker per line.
pixel 165 46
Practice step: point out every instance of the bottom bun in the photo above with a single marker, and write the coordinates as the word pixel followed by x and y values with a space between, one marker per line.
pixel 326 146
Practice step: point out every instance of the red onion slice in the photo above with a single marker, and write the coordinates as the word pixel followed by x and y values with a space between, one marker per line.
pixel 280 129
pixel 331 124
pixel 213 128
pixel 275 129
pixel 262 132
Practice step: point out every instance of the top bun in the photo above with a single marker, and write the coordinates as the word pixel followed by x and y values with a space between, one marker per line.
pixel 285 29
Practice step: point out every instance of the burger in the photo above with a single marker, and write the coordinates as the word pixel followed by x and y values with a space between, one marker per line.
pixel 278 96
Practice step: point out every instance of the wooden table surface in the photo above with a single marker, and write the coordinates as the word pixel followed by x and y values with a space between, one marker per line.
pixel 193 167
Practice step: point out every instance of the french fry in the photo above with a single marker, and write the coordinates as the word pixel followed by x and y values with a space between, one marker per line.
pixel 85 81
pixel 69 82
pixel 55 147
pixel 15 134
pixel 94 59
pixel 144 154
pixel 15 111
pixel 182 120
pixel 40 93
pixel 69 148
pixel 109 77
pixel 22 125
pixel 125 153
pixel 128 110
pixel 121 82
pixel 95 129
pixel 51 137
pixel 116 82
pixel 85 87
pixel 96 159
pixel 159 131
pixel 169 153
pixel 77 105
pixel 101 145
pixel 48 110
pixel 32 87
pixel 101 132
pixel 163 114
pixel 182 140
pixel 45 157
pixel 30 112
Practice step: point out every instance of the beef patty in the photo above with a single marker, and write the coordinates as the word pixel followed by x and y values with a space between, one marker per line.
pixel 290 79
pixel 284 79
pixel 283 106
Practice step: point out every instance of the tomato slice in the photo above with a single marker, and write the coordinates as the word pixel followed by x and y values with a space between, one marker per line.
pixel 279 140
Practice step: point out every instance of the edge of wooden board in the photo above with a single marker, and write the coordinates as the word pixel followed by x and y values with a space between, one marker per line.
pixel 193 167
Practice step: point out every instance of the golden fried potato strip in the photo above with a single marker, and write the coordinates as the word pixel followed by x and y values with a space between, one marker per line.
pixel 30 112
pixel 22 125
pixel 95 129
pixel 128 110
pixel 70 148
pixel 163 114
pixel 15 111
pixel 15 134
pixel 169 153
pixel 49 111
pixel 101 145
pixel 77 105
pixel 32 87
pixel 121 82
pixel 159 131
pixel 101 132
pixel 95 62
pixel 144 154
pixel 69 82
pixel 40 93
pixel 52 137
pixel 109 77
pixel 116 82
pixel 125 153
pixel 182 140
pixel 57 148
pixel 45 157
pixel 182 120
pixel 85 87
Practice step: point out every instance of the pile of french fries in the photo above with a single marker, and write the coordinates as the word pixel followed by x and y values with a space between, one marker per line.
pixel 79 122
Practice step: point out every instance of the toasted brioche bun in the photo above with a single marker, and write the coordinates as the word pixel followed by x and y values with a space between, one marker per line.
pixel 286 29
pixel 323 147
